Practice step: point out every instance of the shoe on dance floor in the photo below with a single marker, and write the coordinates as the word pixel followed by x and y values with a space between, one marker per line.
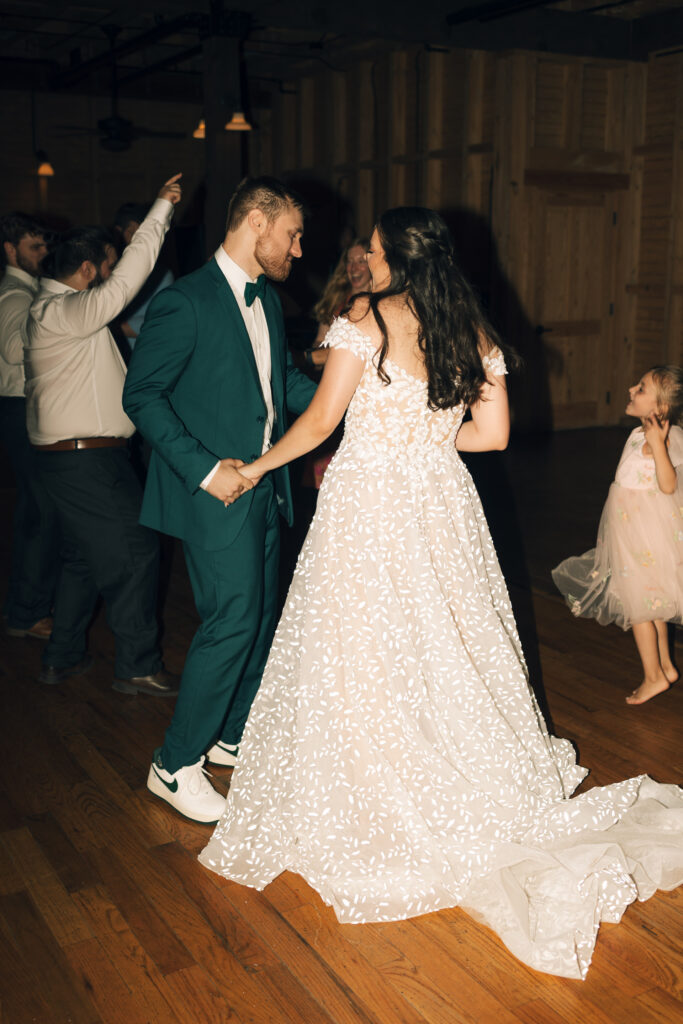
pixel 51 675
pixel 188 790
pixel 224 754
pixel 41 629
pixel 159 684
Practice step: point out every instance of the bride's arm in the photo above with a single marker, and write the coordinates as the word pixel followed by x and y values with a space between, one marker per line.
pixel 489 428
pixel 343 371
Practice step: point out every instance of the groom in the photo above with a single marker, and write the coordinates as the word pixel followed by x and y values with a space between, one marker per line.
pixel 208 385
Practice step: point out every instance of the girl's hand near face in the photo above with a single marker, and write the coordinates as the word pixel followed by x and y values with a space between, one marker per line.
pixel 656 431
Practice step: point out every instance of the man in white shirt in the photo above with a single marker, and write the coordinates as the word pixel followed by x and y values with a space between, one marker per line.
pixel 35 539
pixel 208 386
pixel 77 426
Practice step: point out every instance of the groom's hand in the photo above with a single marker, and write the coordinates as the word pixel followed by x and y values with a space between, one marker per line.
pixel 227 483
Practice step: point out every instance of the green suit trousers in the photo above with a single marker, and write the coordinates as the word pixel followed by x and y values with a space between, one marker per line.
pixel 236 594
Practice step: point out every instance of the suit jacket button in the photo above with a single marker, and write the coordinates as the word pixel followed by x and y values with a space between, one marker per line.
pixel 260 419
pixel 253 457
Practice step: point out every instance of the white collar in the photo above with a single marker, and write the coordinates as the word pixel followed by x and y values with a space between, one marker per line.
pixel 21 275
pixel 51 284
pixel 236 277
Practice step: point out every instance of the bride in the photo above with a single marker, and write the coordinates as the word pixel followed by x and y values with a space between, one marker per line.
pixel 395 756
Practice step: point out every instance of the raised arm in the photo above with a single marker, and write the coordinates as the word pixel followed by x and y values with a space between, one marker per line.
pixel 82 313
pixel 656 433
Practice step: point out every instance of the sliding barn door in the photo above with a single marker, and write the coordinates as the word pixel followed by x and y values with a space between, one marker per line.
pixel 572 302
pixel 563 206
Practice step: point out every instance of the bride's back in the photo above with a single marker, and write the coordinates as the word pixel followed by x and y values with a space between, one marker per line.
pixel 402 332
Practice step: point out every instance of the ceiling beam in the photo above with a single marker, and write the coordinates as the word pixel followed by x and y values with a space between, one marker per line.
pixel 493 26
pixel 660 31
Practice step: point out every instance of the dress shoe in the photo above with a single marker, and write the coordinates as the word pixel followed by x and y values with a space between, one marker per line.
pixel 160 684
pixel 41 629
pixel 51 675
pixel 224 754
pixel 188 790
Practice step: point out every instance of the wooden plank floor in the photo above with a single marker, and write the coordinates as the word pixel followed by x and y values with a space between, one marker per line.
pixel 107 918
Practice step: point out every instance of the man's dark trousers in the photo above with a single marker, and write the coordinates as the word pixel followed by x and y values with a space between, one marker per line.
pixel 105 551
pixel 35 539
pixel 235 590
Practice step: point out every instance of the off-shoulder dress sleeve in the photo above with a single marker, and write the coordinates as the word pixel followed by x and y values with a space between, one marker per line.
pixel 494 362
pixel 345 335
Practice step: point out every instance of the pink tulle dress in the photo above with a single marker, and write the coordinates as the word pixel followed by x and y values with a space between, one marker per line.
pixel 635 572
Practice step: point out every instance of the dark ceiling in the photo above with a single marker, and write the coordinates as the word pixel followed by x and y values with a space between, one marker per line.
pixel 157 45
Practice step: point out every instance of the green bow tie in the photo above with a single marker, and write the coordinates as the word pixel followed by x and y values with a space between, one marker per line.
pixel 255 290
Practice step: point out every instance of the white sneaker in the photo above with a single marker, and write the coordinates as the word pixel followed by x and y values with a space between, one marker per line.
pixel 224 754
pixel 187 790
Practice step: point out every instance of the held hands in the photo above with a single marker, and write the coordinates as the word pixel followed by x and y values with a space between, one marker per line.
pixel 227 484
pixel 171 190
pixel 250 473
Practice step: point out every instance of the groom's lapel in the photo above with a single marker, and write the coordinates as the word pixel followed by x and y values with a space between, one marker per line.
pixel 235 326
pixel 271 308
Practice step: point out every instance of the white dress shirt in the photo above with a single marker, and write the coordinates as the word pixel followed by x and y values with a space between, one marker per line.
pixel 74 370
pixel 17 291
pixel 257 328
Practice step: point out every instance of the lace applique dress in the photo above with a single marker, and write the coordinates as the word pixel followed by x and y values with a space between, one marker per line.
pixel 395 756
pixel 635 571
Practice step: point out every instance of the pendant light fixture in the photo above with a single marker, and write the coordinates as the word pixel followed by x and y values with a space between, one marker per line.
pixel 45 168
pixel 238 123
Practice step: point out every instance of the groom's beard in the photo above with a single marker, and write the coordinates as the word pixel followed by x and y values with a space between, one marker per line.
pixel 269 257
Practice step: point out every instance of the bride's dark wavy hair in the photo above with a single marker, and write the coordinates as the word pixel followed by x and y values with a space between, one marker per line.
pixel 452 327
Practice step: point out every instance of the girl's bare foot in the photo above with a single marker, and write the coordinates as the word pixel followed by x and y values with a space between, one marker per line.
pixel 648 688
pixel 671 672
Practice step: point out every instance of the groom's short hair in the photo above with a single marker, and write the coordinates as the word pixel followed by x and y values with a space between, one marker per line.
pixel 267 194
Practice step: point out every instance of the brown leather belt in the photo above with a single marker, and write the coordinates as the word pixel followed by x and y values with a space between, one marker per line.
pixel 82 443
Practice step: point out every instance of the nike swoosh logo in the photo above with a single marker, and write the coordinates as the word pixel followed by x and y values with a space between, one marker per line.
pixel 173 786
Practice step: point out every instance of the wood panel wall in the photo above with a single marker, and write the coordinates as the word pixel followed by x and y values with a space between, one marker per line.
pixel 562 179
pixel 90 183
pixel 659 289
pixel 561 176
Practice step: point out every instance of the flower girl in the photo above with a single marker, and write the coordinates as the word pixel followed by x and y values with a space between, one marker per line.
pixel 634 575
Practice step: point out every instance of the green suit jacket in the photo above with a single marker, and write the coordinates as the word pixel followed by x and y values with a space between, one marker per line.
pixel 193 392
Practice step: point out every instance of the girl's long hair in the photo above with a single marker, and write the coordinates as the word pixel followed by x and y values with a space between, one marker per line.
pixel 336 295
pixel 453 331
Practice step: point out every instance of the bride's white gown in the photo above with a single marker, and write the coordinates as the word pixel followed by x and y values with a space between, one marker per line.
pixel 395 756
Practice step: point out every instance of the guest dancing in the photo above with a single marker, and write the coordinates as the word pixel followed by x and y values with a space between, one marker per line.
pixel 350 277
pixel 395 756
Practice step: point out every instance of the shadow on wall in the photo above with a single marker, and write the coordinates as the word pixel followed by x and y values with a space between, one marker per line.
pixel 477 253
pixel 532 414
